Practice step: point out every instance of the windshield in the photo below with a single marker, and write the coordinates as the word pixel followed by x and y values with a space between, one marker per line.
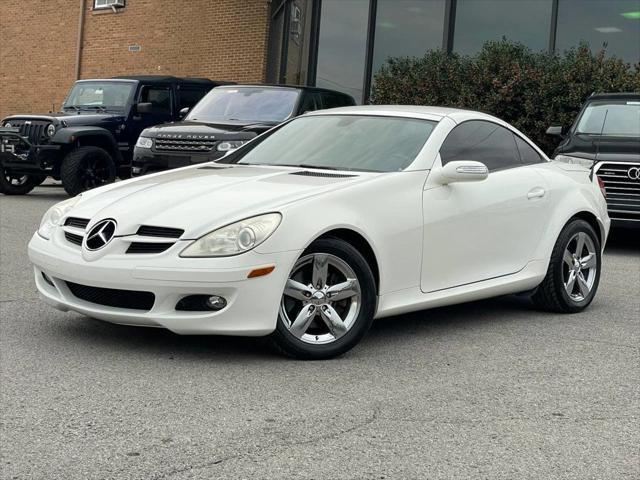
pixel 343 142
pixel 99 96
pixel 623 119
pixel 246 104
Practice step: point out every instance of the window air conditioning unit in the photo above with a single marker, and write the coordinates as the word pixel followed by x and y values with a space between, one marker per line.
pixel 99 4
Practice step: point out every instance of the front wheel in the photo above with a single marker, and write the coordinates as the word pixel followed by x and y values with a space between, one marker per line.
pixel 574 270
pixel 85 168
pixel 328 302
pixel 15 184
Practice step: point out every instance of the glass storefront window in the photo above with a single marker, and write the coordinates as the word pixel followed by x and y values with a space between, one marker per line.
pixel 407 28
pixel 298 39
pixel 275 47
pixel 524 21
pixel 342 46
pixel 613 24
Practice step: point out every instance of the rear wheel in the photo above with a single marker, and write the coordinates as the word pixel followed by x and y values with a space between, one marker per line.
pixel 574 270
pixel 16 184
pixel 85 168
pixel 328 303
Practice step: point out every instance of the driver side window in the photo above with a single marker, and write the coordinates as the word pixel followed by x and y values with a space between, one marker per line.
pixel 482 141
pixel 159 97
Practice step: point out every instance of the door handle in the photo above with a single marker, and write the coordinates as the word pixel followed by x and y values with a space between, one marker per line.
pixel 537 192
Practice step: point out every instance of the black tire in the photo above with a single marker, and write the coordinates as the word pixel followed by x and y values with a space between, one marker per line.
pixel 288 344
pixel 85 168
pixel 17 184
pixel 551 294
pixel 124 173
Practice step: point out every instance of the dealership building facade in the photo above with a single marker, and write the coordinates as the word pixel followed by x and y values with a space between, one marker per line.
pixel 339 44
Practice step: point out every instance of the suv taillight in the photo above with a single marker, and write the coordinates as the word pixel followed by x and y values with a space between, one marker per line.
pixel 601 185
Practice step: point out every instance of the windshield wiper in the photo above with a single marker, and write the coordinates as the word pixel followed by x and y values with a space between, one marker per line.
pixel 75 107
pixel 102 108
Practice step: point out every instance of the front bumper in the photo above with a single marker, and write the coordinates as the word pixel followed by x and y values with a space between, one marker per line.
pixel 19 155
pixel 147 160
pixel 252 304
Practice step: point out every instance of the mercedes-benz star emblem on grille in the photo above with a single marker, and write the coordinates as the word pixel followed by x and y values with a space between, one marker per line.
pixel 634 173
pixel 100 234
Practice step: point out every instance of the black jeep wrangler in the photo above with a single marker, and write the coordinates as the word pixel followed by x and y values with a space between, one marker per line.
pixel 91 140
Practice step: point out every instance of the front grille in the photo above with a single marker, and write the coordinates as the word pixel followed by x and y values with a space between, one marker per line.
pixel 143 247
pixel 32 129
pixel 73 238
pixel 623 192
pixel 175 145
pixel 109 297
pixel 150 231
pixel 76 222
pixel 306 173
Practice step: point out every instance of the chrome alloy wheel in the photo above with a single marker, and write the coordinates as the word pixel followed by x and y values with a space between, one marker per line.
pixel 321 300
pixel 580 266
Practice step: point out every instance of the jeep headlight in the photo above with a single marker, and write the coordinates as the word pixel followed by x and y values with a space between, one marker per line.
pixel 144 142
pixel 51 130
pixel 230 145
pixel 54 216
pixel 236 238
pixel 8 125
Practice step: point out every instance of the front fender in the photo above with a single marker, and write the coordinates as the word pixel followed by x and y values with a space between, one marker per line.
pixel 69 135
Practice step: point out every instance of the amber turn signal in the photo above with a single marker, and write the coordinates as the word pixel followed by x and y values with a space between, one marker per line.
pixel 261 272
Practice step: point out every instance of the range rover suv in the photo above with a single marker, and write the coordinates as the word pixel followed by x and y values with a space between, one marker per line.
pixel 606 135
pixel 223 120
pixel 91 140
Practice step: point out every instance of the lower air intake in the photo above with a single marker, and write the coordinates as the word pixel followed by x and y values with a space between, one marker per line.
pixel 109 297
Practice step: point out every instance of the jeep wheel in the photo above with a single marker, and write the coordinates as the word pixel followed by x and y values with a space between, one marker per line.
pixel 14 184
pixel 85 168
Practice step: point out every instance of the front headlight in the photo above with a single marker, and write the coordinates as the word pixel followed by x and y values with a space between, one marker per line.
pixel 51 130
pixel 54 215
pixel 585 162
pixel 8 125
pixel 229 145
pixel 144 142
pixel 236 238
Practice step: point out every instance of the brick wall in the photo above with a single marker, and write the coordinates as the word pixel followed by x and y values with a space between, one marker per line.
pixel 37 53
pixel 218 39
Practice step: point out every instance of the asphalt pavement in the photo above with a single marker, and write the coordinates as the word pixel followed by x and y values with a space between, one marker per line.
pixel 488 390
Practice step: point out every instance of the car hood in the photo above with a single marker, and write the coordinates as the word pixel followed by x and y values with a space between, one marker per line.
pixel 223 131
pixel 202 198
pixel 71 119
pixel 602 148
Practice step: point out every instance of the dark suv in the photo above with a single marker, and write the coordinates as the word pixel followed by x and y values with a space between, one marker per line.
pixel 606 135
pixel 91 140
pixel 223 120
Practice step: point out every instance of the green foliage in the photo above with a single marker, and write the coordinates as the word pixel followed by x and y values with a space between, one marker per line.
pixel 530 90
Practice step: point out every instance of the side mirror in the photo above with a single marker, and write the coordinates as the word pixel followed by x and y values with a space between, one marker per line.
pixel 462 171
pixel 146 107
pixel 556 131
pixel 183 112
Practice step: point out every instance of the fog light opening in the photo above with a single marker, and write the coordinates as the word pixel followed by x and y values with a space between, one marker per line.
pixel 47 279
pixel 201 303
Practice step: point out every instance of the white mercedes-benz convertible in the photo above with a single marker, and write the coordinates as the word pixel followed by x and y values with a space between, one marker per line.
pixel 322 224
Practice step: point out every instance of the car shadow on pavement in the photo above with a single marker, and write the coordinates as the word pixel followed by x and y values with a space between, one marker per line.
pixel 94 334
pixel 391 332
pixel 623 240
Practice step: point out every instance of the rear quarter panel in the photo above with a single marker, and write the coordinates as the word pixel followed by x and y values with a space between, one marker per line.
pixel 570 192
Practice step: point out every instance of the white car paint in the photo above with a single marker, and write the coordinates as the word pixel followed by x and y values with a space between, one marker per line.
pixel 434 244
